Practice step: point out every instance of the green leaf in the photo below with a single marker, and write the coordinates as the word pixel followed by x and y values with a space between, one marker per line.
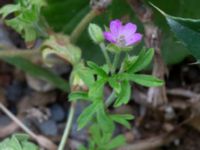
pixel 85 74
pixel 115 85
pixel 116 142
pixel 15 143
pixel 104 121
pixel 122 119
pixel 25 19
pixel 95 133
pixel 98 70
pixel 37 71
pixel 113 48
pixel 186 30
pixel 60 46
pixel 21 137
pixel 29 146
pixel 145 80
pixel 96 90
pixel 74 96
pixel 124 95
pixel 8 9
pixel 143 60
pixel 88 114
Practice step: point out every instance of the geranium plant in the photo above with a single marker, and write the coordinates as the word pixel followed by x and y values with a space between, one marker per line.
pixel 119 76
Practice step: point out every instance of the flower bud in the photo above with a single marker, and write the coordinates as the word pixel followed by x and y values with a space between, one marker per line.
pixel 95 33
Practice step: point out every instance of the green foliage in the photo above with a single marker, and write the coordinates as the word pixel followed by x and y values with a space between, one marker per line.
pixel 122 119
pixel 100 141
pixel 26 18
pixel 187 31
pixel 145 80
pixel 18 142
pixel 124 95
pixel 79 95
pixel 97 70
pixel 88 114
pixel 136 64
pixel 173 52
pixel 60 46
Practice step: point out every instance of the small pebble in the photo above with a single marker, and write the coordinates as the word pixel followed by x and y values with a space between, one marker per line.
pixel 57 113
pixel 15 91
pixel 48 127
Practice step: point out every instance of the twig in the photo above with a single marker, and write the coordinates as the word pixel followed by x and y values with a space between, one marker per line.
pixel 42 141
pixel 68 126
pixel 17 121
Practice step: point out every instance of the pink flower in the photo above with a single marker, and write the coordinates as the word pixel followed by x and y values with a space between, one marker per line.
pixel 122 35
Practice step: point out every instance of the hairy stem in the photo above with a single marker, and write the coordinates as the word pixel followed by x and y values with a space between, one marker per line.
pixel 68 126
pixel 110 99
pixel 106 56
pixel 115 62
pixel 82 25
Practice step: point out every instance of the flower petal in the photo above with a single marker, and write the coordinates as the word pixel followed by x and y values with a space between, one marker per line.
pixel 109 37
pixel 129 29
pixel 134 39
pixel 115 27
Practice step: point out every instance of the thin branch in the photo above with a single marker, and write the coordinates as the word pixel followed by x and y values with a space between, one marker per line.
pixel 68 126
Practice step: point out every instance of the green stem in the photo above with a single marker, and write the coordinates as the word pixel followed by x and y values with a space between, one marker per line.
pixel 115 63
pixel 106 56
pixel 110 99
pixel 82 25
pixel 68 126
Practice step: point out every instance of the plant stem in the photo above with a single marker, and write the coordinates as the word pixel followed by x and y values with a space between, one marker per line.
pixel 82 25
pixel 112 96
pixel 106 56
pixel 115 63
pixel 68 126
pixel 110 99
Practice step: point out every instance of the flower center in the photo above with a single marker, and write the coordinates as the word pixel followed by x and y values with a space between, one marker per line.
pixel 121 41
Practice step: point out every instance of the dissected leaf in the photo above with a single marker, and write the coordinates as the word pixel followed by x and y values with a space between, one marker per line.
pixel 85 74
pixel 122 119
pixel 143 60
pixel 98 70
pixel 116 142
pixel 88 114
pixel 104 121
pixel 96 90
pixel 145 80
pixel 78 96
pixel 115 85
pixel 25 19
pixel 95 133
pixel 8 9
pixel 124 95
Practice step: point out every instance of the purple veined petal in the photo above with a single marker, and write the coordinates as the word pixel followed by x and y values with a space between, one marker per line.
pixel 128 29
pixel 109 37
pixel 115 27
pixel 134 39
